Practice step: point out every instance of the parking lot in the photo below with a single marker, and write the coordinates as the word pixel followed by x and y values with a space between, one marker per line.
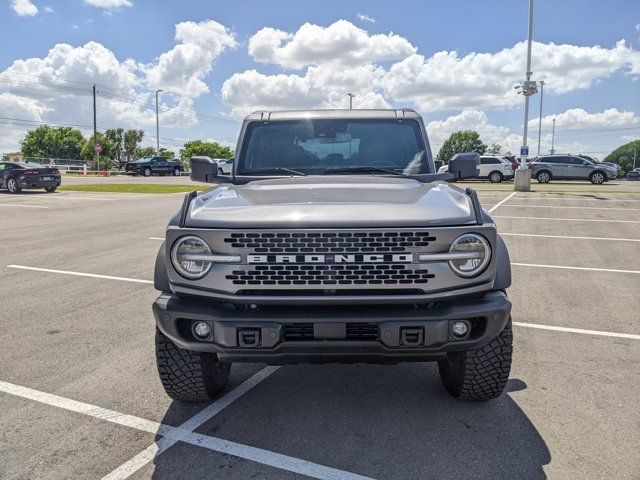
pixel 80 396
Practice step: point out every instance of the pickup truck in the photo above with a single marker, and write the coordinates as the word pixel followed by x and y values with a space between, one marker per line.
pixel 333 240
pixel 148 166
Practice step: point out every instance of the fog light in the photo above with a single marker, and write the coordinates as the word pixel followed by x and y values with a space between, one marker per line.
pixel 460 328
pixel 201 330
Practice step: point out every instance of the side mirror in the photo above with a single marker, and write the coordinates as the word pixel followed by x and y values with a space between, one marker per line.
pixel 203 169
pixel 464 165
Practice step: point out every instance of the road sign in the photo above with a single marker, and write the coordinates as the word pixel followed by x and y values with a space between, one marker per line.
pixel 98 148
pixel 524 151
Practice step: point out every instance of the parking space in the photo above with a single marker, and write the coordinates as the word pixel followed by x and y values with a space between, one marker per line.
pixel 570 410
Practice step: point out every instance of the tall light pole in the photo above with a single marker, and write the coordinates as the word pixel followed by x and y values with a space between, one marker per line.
pixel 540 117
pixel 553 137
pixel 351 95
pixel 157 125
pixel 523 174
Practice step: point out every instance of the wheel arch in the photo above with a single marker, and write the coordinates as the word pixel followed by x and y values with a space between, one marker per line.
pixel 503 266
pixel 160 276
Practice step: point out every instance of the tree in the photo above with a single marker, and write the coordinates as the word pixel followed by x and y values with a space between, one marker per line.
pixel 53 142
pixel 166 153
pixel 131 140
pixel 209 149
pixel 624 156
pixel 460 142
pixel 115 136
pixel 494 149
pixel 144 152
pixel 88 152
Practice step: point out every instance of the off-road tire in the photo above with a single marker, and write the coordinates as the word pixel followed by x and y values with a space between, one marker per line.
pixel 50 189
pixel 189 376
pixel 495 177
pixel 480 374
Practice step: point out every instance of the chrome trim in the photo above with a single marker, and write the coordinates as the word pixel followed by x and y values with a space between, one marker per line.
pixel 214 258
pixel 445 257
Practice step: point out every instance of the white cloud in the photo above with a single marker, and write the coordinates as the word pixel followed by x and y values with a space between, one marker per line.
pixel 439 130
pixel 365 18
pixel 109 4
pixel 342 42
pixel 24 8
pixel 48 9
pixel 22 109
pixel 577 118
pixel 182 69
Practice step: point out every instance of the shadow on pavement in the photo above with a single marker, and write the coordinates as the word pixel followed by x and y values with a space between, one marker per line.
pixel 387 422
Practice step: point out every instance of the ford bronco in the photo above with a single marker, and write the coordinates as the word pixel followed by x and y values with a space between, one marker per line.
pixel 333 240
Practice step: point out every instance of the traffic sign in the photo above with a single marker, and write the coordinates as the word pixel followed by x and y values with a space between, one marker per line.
pixel 98 148
pixel 524 150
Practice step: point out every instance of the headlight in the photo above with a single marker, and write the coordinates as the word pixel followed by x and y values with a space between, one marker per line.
pixel 474 255
pixel 186 257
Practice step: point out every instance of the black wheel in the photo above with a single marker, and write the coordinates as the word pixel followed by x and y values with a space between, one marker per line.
pixel 189 376
pixel 495 177
pixel 146 172
pixel 50 189
pixel 13 186
pixel 597 178
pixel 543 177
pixel 479 374
pixel 176 172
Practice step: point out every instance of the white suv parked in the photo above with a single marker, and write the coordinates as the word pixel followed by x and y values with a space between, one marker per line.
pixel 493 167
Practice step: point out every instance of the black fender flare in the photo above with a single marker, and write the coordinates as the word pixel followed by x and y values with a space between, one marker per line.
pixel 503 266
pixel 160 276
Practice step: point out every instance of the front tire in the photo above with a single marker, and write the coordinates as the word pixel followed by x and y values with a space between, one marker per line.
pixel 147 172
pixel 187 375
pixel 12 185
pixel 543 177
pixel 597 178
pixel 495 177
pixel 176 172
pixel 480 374
pixel 50 189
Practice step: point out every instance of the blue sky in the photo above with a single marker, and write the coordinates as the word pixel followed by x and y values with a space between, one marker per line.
pixel 454 62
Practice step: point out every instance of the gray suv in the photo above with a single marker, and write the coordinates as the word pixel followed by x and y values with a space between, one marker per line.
pixel 571 167
pixel 333 240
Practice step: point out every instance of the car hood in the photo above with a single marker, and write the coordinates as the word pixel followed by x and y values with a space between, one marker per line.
pixel 331 201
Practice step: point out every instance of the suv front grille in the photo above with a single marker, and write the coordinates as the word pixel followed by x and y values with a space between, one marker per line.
pixel 347 274
pixel 329 242
pixel 296 332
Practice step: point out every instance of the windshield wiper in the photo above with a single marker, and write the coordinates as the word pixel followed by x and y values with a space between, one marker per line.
pixel 364 170
pixel 277 170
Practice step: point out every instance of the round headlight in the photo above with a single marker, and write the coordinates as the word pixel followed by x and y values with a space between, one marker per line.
pixel 474 254
pixel 186 256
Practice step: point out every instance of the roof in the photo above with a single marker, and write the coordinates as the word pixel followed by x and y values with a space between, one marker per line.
pixel 335 113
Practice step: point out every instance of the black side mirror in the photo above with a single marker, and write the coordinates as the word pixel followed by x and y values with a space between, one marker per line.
pixel 203 169
pixel 464 165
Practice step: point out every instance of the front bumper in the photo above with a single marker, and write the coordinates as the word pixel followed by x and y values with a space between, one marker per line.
pixel 328 338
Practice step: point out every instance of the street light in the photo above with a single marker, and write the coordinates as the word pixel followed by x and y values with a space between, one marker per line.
pixel 540 117
pixel 157 125
pixel 351 95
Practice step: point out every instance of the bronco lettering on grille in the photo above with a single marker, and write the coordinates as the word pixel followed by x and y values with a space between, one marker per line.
pixel 337 258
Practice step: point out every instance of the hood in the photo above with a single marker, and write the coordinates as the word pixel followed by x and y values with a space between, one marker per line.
pixel 331 201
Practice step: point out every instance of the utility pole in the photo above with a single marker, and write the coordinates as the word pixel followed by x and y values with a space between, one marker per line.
pixel 95 131
pixel 351 95
pixel 540 117
pixel 635 154
pixel 523 174
pixel 157 125
pixel 553 136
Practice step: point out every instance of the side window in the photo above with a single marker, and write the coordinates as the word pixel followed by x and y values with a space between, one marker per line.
pixel 2 166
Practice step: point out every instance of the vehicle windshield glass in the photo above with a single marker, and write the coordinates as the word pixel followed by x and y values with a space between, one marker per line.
pixel 144 160
pixel 29 165
pixel 320 146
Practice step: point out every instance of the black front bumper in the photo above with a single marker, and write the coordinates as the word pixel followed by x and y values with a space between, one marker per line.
pixel 337 334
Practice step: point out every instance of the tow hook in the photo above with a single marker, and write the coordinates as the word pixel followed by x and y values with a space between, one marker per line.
pixel 249 337
pixel 411 336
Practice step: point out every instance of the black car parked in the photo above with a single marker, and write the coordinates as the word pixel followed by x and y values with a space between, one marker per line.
pixel 14 176
pixel 149 165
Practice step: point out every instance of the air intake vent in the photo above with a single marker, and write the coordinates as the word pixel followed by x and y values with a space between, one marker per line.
pixel 295 332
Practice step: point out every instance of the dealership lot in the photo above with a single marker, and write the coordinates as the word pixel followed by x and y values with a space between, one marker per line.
pixel 80 398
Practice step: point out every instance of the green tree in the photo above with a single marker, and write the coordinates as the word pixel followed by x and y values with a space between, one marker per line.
pixel 209 149
pixel 460 142
pixel 144 152
pixel 166 153
pixel 53 142
pixel 624 156
pixel 494 149
pixel 115 136
pixel 131 140
pixel 107 154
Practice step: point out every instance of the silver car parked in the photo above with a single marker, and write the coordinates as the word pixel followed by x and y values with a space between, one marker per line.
pixel 571 167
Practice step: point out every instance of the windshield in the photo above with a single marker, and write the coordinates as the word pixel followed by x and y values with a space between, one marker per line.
pixel 143 160
pixel 333 146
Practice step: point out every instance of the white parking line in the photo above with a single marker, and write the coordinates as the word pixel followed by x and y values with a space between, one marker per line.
pixel 564 267
pixel 581 199
pixel 148 454
pixel 21 206
pixel 578 330
pixel 570 219
pixel 265 457
pixel 570 237
pixel 572 207
pixel 501 202
pixel 80 274
pixel 156 238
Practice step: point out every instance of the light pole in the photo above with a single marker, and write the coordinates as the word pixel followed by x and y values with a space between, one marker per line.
pixel 157 125
pixel 540 117
pixel 553 136
pixel 523 174
pixel 351 95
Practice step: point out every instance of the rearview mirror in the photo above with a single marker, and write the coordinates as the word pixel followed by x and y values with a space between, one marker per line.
pixel 464 165
pixel 203 169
